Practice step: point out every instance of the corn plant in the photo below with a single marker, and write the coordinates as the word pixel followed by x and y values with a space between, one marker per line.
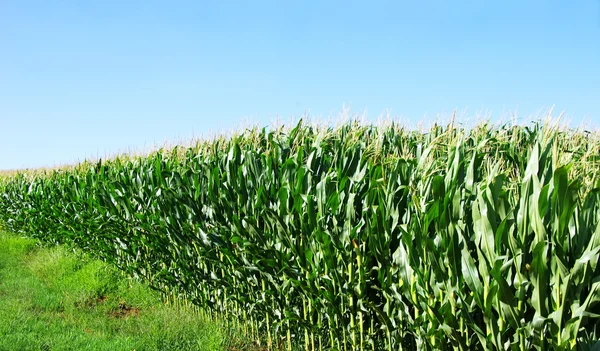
pixel 354 237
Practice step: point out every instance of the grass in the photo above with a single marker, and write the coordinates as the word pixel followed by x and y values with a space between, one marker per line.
pixel 54 299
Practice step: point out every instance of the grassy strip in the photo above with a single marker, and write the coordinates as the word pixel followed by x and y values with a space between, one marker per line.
pixel 53 299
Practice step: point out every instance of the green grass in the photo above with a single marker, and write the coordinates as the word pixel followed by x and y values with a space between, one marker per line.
pixel 54 299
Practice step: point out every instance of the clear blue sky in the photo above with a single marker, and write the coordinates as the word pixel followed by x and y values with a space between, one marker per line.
pixel 82 78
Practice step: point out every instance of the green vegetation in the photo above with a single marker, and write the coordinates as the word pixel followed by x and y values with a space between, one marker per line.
pixel 53 299
pixel 350 238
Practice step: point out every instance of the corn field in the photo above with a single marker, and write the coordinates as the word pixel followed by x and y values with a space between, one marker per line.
pixel 355 237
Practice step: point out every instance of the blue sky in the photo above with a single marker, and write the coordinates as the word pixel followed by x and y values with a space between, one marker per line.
pixel 86 78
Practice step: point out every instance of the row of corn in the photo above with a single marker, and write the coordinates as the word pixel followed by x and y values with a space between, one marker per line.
pixel 355 237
